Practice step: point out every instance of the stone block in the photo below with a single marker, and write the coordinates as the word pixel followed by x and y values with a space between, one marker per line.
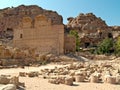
pixel 4 80
pixel 69 81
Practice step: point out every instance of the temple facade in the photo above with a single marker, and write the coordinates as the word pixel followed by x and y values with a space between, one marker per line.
pixel 40 34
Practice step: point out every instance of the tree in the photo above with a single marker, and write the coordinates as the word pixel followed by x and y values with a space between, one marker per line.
pixel 75 34
pixel 105 46
pixel 117 46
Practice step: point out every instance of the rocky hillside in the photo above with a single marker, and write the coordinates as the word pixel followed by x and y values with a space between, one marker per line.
pixel 115 31
pixel 86 22
pixel 10 17
pixel 91 29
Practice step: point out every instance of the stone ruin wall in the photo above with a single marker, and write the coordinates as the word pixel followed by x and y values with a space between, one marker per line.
pixel 10 17
pixel 41 35
pixel 70 44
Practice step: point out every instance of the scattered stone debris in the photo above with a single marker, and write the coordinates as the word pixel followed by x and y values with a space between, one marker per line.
pixel 22 74
pixel 79 72
pixel 9 82
pixel 33 74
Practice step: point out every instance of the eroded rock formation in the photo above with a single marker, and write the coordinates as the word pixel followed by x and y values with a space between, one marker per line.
pixel 86 22
pixel 91 29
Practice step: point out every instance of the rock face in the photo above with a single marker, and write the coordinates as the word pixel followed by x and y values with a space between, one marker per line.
pixel 10 17
pixel 91 29
pixel 86 22
pixel 115 31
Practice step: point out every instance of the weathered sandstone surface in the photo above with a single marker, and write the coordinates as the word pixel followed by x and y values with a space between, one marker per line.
pixel 10 17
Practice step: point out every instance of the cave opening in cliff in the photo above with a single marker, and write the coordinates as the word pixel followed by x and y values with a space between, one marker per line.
pixel 110 35
pixel 87 44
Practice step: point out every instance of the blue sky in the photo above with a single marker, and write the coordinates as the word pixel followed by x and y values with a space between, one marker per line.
pixel 108 10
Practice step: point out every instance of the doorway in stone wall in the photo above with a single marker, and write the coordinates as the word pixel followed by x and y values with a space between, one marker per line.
pixel 9 33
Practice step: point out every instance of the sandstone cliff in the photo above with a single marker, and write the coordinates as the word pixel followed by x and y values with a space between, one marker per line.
pixel 115 31
pixel 91 29
pixel 86 22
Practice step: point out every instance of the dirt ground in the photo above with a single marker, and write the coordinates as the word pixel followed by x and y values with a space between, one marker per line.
pixel 42 84
pixel 38 83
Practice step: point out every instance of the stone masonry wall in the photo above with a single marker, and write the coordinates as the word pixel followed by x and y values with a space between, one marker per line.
pixel 41 35
pixel 10 17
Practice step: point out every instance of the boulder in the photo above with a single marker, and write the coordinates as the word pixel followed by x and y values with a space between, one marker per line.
pixel 22 74
pixel 69 81
pixel 110 79
pixel 4 80
pixel 57 80
pixel 8 87
pixel 94 79
pixel 14 80
pixel 53 81
pixel 118 79
pixel 33 74
pixel 79 78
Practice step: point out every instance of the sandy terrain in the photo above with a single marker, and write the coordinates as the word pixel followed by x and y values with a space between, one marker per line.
pixel 39 83
pixel 42 84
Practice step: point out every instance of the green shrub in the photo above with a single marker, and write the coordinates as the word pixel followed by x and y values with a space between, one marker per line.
pixel 117 46
pixel 105 46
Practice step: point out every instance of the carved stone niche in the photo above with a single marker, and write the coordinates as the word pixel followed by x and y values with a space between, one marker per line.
pixel 41 21
pixel 26 22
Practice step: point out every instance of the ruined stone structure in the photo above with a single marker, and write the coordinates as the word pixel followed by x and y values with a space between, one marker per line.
pixel 70 44
pixel 41 34
pixel 34 27
pixel 10 17
pixel 91 29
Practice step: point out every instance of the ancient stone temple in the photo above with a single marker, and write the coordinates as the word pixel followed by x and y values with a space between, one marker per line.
pixel 11 16
pixel 41 34
pixel 35 28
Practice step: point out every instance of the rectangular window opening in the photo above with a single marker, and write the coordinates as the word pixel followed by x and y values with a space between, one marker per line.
pixel 21 36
